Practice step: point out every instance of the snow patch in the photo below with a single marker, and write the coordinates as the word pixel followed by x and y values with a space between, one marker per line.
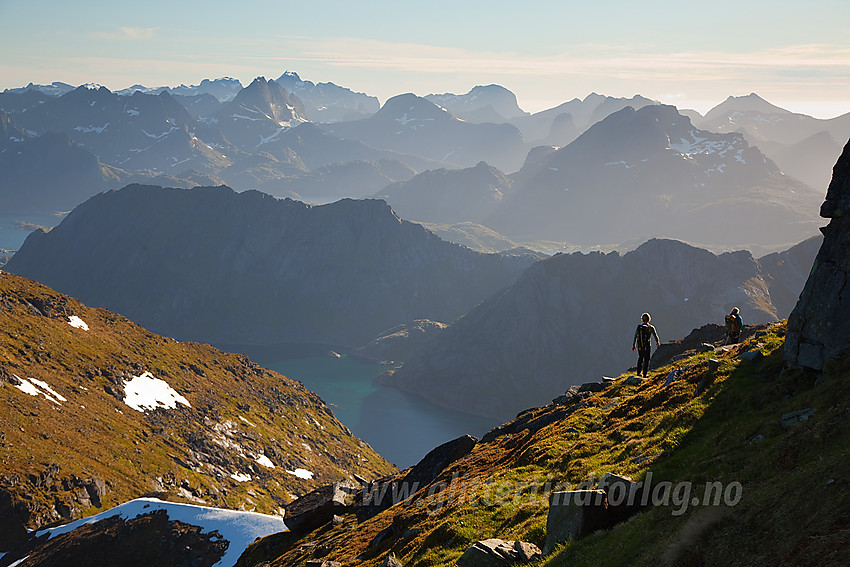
pixel 46 387
pixel 146 392
pixel 239 529
pixel 302 473
pixel 265 461
pixel 240 477
pixel 34 387
pixel 77 323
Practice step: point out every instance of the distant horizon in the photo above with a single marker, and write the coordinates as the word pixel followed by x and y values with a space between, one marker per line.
pixel 794 55
pixel 817 109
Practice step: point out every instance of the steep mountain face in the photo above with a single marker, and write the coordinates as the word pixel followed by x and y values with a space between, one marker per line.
pixel 571 318
pixel 818 328
pixel 227 268
pixel 410 124
pixel 648 172
pixel 97 411
pixel 449 196
pixel 327 102
pixel 490 103
pixel 258 114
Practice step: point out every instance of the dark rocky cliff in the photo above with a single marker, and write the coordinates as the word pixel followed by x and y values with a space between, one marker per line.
pixel 819 328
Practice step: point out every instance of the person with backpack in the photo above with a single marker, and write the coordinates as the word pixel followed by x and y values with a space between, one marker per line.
pixel 643 334
pixel 734 325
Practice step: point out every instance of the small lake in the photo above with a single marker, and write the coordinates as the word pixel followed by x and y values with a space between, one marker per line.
pixel 402 427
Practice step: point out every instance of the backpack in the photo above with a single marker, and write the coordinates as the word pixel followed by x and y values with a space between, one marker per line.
pixel 644 333
pixel 733 323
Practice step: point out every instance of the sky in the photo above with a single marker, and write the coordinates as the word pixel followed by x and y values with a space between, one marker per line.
pixel 692 54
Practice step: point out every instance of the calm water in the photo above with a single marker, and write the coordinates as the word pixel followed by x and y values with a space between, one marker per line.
pixel 399 426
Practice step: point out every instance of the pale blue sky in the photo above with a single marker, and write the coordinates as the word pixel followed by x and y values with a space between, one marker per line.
pixel 692 54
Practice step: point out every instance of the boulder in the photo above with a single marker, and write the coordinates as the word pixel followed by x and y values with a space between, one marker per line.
pixel 574 514
pixel 392 561
pixel 498 553
pixel 623 496
pixel 318 507
pixel 420 476
pixel 793 418
pixel 819 325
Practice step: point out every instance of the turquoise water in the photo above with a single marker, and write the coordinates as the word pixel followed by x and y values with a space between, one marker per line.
pixel 400 426
pixel 14 229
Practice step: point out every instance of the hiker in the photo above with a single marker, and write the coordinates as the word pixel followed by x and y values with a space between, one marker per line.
pixel 734 325
pixel 643 334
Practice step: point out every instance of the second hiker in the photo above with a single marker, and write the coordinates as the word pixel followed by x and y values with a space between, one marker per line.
pixel 643 334
pixel 734 325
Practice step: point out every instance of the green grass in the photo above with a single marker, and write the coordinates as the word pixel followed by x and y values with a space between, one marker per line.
pixel 794 488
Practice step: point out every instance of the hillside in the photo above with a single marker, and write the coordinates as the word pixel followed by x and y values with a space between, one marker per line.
pixel 571 318
pixel 98 411
pixel 217 266
pixel 687 428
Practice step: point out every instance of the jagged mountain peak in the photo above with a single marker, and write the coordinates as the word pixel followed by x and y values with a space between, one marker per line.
pixel 271 99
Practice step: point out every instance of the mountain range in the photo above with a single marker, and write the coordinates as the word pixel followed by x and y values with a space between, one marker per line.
pixel 570 319
pixel 223 267
pixel 634 175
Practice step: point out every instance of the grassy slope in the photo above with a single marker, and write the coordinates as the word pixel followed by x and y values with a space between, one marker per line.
pixel 236 407
pixel 795 498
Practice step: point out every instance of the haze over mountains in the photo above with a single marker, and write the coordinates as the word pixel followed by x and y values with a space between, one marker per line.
pixel 571 318
pixel 566 170
pixel 244 268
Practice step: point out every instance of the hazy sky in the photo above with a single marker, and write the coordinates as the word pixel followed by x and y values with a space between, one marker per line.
pixel 693 54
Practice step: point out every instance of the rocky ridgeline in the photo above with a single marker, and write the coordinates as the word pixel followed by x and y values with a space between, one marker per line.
pixel 819 326
pixel 572 317
pixel 213 265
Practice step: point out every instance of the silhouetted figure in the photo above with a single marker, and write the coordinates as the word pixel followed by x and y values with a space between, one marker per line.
pixel 643 335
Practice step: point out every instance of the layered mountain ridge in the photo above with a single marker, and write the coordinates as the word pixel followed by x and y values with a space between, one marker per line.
pixel 245 268
pixel 571 319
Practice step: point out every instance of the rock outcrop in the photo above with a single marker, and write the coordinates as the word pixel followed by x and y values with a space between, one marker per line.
pixel 819 326
pixel 499 553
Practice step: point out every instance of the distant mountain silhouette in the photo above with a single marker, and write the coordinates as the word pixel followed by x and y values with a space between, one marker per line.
pixel 410 124
pixel 327 102
pixel 648 172
pixel 491 103
pixel 244 268
pixel 802 146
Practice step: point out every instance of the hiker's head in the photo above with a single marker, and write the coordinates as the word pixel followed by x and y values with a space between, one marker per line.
pixel 735 310
pixel 645 317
